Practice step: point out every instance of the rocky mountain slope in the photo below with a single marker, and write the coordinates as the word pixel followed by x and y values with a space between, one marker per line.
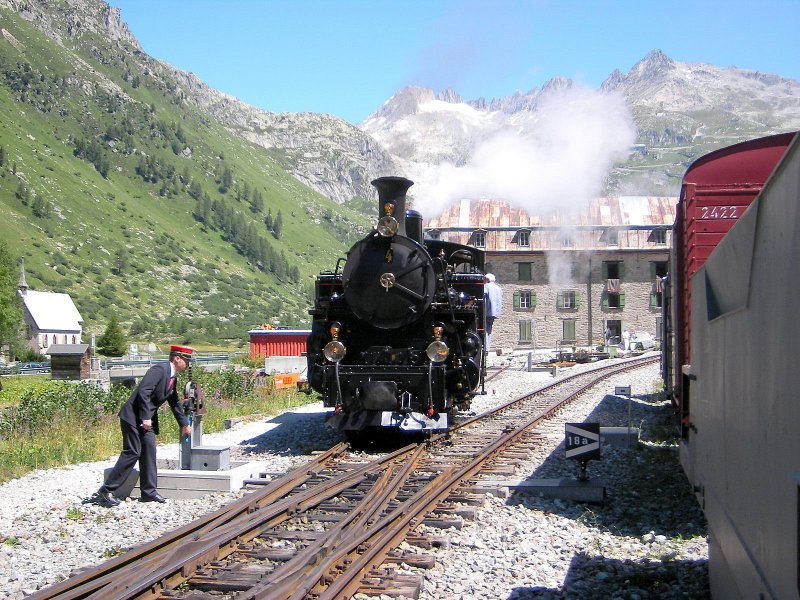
pixel 323 151
pixel 112 160
pixel 118 186
pixel 679 111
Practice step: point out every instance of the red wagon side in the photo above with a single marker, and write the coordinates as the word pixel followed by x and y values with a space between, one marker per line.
pixel 717 188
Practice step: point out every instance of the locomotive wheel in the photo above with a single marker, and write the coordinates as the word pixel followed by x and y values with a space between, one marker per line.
pixel 388 283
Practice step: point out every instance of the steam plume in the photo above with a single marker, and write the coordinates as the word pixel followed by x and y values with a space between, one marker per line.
pixel 556 157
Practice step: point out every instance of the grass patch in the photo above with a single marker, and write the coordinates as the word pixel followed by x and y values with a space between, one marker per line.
pixel 15 385
pixel 69 438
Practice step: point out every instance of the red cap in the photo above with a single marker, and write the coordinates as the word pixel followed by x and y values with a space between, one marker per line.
pixel 181 351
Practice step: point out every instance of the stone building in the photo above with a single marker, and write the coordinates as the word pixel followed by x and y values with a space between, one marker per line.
pixel 568 277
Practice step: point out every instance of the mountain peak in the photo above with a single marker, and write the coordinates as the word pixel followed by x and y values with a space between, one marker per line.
pixel 449 95
pixel 557 84
pixel 405 102
pixel 654 64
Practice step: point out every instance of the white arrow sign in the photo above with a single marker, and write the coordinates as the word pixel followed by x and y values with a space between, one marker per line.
pixel 580 441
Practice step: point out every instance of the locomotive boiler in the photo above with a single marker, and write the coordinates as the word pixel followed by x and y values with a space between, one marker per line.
pixel 397 335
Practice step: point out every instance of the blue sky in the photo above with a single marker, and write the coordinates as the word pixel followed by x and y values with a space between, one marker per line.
pixel 347 57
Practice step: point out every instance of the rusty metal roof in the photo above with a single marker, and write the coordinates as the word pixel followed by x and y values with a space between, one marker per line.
pixel 607 212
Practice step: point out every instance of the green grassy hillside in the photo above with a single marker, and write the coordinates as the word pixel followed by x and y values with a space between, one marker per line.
pixel 115 190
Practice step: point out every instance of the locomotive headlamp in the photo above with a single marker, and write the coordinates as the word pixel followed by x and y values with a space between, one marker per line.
pixel 388 226
pixel 334 351
pixel 437 351
pixel 335 329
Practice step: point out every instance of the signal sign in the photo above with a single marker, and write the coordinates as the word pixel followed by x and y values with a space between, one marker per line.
pixel 582 440
pixel 622 390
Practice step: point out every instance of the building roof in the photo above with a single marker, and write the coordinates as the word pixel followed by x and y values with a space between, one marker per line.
pixel 601 212
pixel 67 349
pixel 52 311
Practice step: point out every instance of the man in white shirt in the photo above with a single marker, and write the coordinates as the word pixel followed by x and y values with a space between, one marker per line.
pixel 494 305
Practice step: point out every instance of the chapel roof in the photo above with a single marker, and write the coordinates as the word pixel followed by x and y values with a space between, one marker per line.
pixel 52 311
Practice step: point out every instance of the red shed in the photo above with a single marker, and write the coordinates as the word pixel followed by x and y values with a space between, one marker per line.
pixel 278 342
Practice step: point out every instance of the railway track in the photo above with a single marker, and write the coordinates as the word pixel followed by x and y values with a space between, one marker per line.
pixel 332 528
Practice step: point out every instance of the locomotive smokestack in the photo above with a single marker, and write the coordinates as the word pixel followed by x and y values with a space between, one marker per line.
pixel 392 199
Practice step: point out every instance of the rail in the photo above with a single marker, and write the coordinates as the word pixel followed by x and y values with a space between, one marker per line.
pixel 369 507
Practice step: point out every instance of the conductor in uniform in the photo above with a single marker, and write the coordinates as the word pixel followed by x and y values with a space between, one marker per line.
pixel 139 422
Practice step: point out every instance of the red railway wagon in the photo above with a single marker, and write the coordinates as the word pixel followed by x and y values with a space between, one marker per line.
pixel 717 188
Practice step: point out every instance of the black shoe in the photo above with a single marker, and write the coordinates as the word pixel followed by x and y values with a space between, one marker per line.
pixel 154 498
pixel 106 499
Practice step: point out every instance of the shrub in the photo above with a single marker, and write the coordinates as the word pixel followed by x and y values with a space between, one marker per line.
pixel 46 402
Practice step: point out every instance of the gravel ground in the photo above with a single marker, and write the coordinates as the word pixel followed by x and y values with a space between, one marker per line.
pixel 648 540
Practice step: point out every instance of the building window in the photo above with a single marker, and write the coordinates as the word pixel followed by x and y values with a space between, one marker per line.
pixel 524 300
pixel 74 340
pixel 611 237
pixel 659 237
pixel 614 300
pixel 568 299
pixel 44 341
pixel 568 330
pixel 613 333
pixel 613 269
pixel 658 269
pixel 567 241
pixel 525 331
pixel 480 239
pixel 524 238
pixel 656 299
pixel 524 272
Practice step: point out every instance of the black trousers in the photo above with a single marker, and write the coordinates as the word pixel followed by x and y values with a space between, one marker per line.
pixel 137 445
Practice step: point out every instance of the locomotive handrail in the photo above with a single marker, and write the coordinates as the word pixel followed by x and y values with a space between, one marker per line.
pixel 340 260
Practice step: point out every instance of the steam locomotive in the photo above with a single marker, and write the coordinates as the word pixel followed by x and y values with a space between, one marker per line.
pixel 397 335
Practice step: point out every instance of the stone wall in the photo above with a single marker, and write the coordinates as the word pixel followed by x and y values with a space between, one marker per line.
pixel 583 274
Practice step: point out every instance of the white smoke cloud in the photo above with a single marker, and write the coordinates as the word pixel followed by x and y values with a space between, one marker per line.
pixel 555 157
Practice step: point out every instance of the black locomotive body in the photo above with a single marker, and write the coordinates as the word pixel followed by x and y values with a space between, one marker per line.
pixel 397 336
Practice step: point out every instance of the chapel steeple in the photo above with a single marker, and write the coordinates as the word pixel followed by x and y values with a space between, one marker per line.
pixel 22 285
